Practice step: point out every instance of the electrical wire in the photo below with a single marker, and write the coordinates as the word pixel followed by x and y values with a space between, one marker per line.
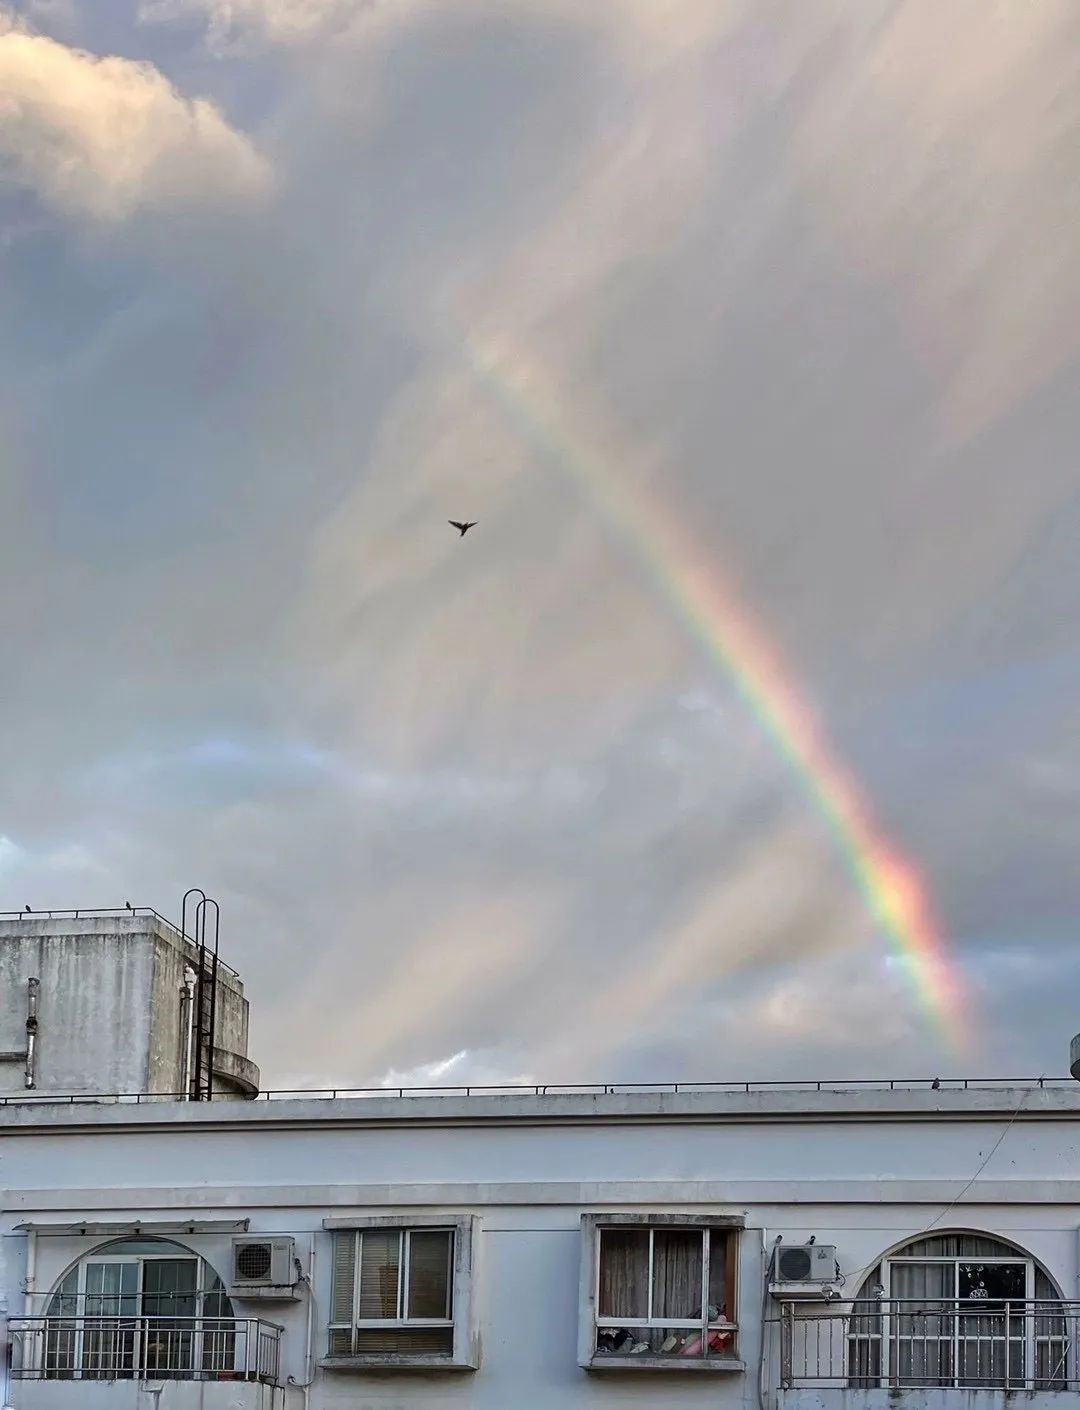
pixel 956 1200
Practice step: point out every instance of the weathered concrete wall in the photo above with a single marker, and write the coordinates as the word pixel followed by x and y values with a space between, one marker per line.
pixel 93 1005
pixel 172 957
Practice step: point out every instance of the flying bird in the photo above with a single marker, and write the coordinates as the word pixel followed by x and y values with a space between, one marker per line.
pixel 463 529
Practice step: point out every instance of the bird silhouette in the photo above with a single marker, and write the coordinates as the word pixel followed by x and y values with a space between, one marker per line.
pixel 936 1084
pixel 130 907
pixel 28 908
pixel 463 529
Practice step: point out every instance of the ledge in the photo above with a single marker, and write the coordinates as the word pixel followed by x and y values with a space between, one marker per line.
pixel 240 1071
pixel 394 1363
pixel 677 1364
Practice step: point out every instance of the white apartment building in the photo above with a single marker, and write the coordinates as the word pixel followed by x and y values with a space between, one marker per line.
pixel 776 1246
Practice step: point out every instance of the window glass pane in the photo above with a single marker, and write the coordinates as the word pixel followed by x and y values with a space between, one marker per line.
pixel 136 1246
pixel 624 1273
pixel 380 1266
pixel 720 1307
pixel 112 1289
pixel 343 1274
pixel 429 1272
pixel 169 1286
pixel 677 1260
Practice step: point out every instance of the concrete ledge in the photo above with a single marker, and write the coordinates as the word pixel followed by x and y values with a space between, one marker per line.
pixel 393 1364
pixel 241 1072
pixel 658 1365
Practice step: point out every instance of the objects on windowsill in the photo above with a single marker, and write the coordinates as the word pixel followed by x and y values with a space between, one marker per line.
pixel 613 1339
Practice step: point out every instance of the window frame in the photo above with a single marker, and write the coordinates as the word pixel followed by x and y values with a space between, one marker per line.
pixel 590 1321
pixel 465 1355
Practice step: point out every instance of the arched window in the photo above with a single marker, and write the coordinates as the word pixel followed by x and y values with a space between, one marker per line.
pixel 958 1309
pixel 138 1308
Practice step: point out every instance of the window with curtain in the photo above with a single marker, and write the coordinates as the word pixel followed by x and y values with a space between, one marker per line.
pixel 960 1310
pixel 392 1293
pixel 665 1291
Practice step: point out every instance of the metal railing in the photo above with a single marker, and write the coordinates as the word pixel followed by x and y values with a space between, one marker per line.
pixel 906 1343
pixel 569 1089
pixel 88 1347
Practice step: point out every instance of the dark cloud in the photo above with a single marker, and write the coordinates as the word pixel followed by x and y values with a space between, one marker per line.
pixel 487 807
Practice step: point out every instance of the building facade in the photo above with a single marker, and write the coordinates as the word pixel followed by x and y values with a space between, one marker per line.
pixel 545 1249
pixel 107 1002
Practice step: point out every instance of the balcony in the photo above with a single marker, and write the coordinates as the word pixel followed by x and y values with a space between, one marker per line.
pixel 112 1360
pixel 930 1353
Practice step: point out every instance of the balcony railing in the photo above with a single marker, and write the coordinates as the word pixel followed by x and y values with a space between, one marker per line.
pixel 905 1343
pixel 93 1348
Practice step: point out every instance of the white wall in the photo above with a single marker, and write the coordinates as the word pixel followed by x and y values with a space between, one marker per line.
pixel 861 1180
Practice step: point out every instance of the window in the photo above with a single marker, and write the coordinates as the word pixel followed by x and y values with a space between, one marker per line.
pixel 400 1293
pixel 961 1310
pixel 138 1308
pixel 662 1292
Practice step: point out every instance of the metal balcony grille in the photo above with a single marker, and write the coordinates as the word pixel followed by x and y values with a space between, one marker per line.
pixel 901 1344
pixel 93 1348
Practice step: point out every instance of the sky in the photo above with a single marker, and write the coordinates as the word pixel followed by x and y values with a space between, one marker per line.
pixel 746 331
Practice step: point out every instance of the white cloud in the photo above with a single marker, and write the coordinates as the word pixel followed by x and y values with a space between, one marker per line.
pixel 103 137
pixel 460 1069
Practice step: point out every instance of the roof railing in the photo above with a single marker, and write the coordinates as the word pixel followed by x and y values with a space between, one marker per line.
pixel 560 1089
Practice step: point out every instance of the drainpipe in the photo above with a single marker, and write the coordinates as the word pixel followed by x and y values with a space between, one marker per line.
pixel 31 1270
pixel 32 987
pixel 309 1352
pixel 187 1024
pixel 5 1355
pixel 767 1257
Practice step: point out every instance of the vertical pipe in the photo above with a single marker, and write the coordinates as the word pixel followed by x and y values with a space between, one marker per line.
pixel 187 1019
pixel 32 986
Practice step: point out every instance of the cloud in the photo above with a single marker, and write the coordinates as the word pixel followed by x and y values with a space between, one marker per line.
pixel 492 797
pixel 102 137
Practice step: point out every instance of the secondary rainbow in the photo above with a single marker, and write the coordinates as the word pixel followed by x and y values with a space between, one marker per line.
pixel 709 610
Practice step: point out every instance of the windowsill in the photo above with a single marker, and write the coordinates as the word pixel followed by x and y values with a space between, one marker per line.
pixel 679 1364
pixel 382 1362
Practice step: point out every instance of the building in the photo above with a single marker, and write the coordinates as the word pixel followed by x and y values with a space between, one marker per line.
pixel 106 1002
pixel 793 1246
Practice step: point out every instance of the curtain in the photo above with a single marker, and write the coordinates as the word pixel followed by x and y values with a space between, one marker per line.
pixel 922 1333
pixel 677 1264
pixel 624 1273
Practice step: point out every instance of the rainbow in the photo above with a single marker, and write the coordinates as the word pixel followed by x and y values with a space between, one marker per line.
pixel 709 610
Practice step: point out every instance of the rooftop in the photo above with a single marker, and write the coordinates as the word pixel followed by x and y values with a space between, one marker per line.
pixel 1009 1099
pixel 95 919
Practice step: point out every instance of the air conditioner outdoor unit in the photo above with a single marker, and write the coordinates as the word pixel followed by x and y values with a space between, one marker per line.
pixel 264 1268
pixel 805 1271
